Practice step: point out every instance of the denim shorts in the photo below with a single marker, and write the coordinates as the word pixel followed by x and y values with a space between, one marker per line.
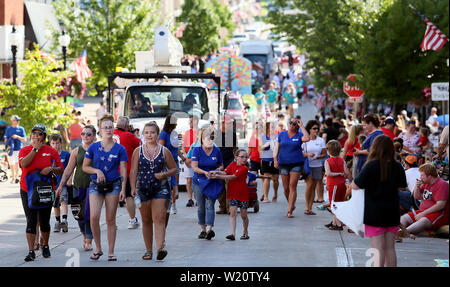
pixel 285 169
pixel 163 193
pixel 117 188
pixel 238 203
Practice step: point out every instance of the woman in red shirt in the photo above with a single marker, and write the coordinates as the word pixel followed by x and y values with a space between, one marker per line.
pixel 352 143
pixel 237 192
pixel 37 156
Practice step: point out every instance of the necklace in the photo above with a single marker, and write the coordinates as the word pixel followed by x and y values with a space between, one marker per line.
pixel 151 158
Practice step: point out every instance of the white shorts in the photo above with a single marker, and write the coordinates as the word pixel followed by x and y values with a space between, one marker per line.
pixel 189 172
pixel 14 158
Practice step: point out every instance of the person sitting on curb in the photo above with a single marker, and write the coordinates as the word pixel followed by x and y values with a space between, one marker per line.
pixel 434 209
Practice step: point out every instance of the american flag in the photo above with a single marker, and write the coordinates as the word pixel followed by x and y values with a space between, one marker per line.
pixel 179 32
pixel 81 67
pixel 434 39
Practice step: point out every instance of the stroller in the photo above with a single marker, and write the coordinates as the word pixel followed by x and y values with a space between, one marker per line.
pixel 3 167
pixel 252 193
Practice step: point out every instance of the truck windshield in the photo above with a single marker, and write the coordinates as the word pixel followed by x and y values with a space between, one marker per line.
pixel 262 59
pixel 234 104
pixel 158 101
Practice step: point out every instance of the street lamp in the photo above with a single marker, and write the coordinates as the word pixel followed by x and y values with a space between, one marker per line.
pixel 64 41
pixel 14 41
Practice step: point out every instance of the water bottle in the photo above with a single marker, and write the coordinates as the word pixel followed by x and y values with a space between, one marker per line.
pixel 137 201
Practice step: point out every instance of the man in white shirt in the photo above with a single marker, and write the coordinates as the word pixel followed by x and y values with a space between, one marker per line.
pixel 432 121
pixel 412 174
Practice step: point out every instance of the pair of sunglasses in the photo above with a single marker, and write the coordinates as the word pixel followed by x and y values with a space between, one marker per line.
pixel 38 133
pixel 86 134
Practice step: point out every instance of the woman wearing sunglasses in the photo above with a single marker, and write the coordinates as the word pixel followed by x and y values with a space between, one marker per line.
pixel 206 159
pixel 37 156
pixel 288 158
pixel 81 182
pixel 316 150
pixel 102 161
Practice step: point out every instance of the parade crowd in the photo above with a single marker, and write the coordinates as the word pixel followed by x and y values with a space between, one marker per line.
pixel 395 159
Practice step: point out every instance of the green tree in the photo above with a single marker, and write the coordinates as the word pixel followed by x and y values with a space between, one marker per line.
pixel 204 18
pixel 110 30
pixel 390 59
pixel 35 99
pixel 328 31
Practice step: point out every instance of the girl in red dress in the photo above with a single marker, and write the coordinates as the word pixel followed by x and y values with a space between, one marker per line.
pixel 335 170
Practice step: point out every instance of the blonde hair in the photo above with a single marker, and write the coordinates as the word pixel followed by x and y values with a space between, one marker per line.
pixel 104 118
pixel 355 131
pixel 206 130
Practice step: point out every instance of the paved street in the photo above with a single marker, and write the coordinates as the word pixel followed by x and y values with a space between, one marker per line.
pixel 275 240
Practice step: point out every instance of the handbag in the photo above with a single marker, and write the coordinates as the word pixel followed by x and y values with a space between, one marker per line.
pixel 306 170
pixel 41 193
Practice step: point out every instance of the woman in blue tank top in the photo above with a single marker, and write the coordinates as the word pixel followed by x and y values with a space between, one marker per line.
pixel 151 168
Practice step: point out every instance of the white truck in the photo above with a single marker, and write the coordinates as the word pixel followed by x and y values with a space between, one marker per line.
pixel 259 51
pixel 161 86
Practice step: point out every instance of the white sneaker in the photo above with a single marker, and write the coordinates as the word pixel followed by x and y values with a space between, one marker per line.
pixel 133 223
pixel 174 208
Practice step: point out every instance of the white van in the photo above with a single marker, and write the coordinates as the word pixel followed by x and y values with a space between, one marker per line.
pixel 259 51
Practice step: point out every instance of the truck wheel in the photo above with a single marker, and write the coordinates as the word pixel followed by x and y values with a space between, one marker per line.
pixel 256 206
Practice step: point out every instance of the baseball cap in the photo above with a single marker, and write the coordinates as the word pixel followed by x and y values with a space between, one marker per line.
pixel 411 159
pixel 404 112
pixel 15 117
pixel 390 120
pixel 39 127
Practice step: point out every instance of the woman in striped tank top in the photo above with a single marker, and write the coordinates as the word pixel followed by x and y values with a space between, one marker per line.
pixel 151 168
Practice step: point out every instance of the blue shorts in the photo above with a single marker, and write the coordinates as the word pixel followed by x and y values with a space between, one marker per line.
pixel 237 203
pixel 163 193
pixel 285 169
pixel 117 188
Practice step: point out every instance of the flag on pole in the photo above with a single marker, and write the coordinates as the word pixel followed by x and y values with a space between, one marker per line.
pixel 81 67
pixel 433 39
pixel 179 32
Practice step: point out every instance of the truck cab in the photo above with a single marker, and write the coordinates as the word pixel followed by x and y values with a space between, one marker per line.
pixel 161 86
pixel 259 51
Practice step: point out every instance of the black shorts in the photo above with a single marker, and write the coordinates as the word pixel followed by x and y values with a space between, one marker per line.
pixel 255 166
pixel 268 167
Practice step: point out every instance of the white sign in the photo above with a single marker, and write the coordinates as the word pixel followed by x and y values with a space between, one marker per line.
pixel 439 91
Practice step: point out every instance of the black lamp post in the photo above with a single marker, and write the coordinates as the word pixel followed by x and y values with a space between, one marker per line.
pixel 64 41
pixel 14 40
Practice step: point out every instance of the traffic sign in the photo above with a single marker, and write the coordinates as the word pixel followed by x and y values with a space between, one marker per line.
pixel 439 91
pixel 353 91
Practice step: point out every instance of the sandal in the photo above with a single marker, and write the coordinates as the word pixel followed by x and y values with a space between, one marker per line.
pixel 309 212
pixel 289 214
pixel 335 227
pixel 112 258
pixel 147 256
pixel 162 253
pixel 318 201
pixel 245 237
pixel 87 247
pixel 329 225
pixel 274 199
pixel 230 237
pixel 96 256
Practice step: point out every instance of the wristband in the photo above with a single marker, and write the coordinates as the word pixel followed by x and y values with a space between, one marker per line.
pixel 35 149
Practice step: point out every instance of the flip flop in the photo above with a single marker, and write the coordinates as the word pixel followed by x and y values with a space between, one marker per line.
pixel 147 256
pixel 309 212
pixel 96 256
pixel 162 253
pixel 112 258
pixel 289 214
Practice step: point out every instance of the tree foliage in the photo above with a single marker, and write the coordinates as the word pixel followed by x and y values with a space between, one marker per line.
pixel 34 97
pixel 110 30
pixel 390 59
pixel 204 18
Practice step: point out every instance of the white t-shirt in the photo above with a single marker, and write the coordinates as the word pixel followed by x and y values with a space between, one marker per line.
pixel 315 147
pixel 411 175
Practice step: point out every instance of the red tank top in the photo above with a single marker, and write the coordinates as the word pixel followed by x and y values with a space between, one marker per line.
pixel 336 165
pixel 353 147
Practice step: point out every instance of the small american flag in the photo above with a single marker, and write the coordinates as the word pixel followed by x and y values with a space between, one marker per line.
pixel 434 39
pixel 81 67
pixel 179 32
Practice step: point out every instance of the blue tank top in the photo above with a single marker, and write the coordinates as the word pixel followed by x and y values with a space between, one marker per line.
pixel 148 168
